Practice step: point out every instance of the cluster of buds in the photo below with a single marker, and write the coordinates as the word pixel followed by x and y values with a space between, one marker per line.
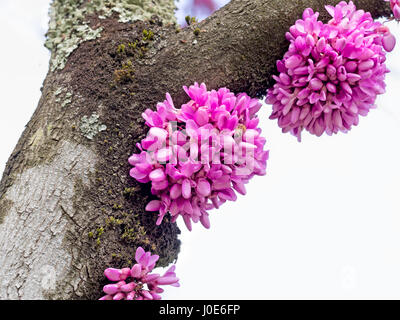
pixel 332 73
pixel 197 156
pixel 137 283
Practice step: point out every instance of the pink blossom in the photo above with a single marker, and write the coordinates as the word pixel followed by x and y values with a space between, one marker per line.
pixel 137 283
pixel 395 5
pixel 197 157
pixel 332 73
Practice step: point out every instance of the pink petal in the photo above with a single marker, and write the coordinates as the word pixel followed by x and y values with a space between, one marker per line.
pixel 156 296
pixel 203 187
pixel 167 280
pixel 170 270
pixel 125 273
pixel 134 159
pixel 113 274
pixel 239 187
pixel 157 175
pixel 293 62
pixel 176 191
pixel 187 169
pixel 144 260
pixel 153 259
pixel 146 295
pixel 389 41
pixel 128 287
pixel 119 296
pixel 160 185
pixel 137 174
pixel 227 194
pixel 164 155
pixel 205 221
pixel 111 289
pixel 201 116
pixel 131 295
pixel 188 223
pixel 186 189
pixel 150 277
pixel 396 11
pixel 136 270
pixel 153 205
pixel 139 253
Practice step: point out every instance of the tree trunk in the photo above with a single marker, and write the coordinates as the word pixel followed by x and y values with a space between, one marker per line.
pixel 68 208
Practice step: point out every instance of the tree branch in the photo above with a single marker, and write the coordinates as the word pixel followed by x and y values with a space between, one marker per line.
pixel 238 46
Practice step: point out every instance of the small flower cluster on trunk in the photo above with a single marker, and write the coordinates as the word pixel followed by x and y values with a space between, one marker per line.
pixel 197 157
pixel 137 283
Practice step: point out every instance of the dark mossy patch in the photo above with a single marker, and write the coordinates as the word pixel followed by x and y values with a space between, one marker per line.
pixel 113 86
pixel 125 74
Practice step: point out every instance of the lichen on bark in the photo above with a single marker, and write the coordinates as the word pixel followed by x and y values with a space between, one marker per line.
pixel 69 26
pixel 91 126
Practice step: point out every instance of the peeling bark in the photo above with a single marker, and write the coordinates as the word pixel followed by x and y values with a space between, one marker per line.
pixel 68 208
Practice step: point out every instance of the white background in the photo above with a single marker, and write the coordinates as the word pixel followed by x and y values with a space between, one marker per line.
pixel 323 223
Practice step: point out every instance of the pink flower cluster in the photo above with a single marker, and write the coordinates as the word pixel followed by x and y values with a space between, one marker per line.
pixel 332 73
pixel 197 156
pixel 395 5
pixel 139 278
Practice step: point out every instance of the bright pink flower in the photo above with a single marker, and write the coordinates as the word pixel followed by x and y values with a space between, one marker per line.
pixel 332 73
pixel 197 156
pixel 138 283
pixel 395 5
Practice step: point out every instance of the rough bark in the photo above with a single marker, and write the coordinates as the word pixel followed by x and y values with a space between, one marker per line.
pixel 68 208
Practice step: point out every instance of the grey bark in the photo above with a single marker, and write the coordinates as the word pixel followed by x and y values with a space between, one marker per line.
pixel 68 208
